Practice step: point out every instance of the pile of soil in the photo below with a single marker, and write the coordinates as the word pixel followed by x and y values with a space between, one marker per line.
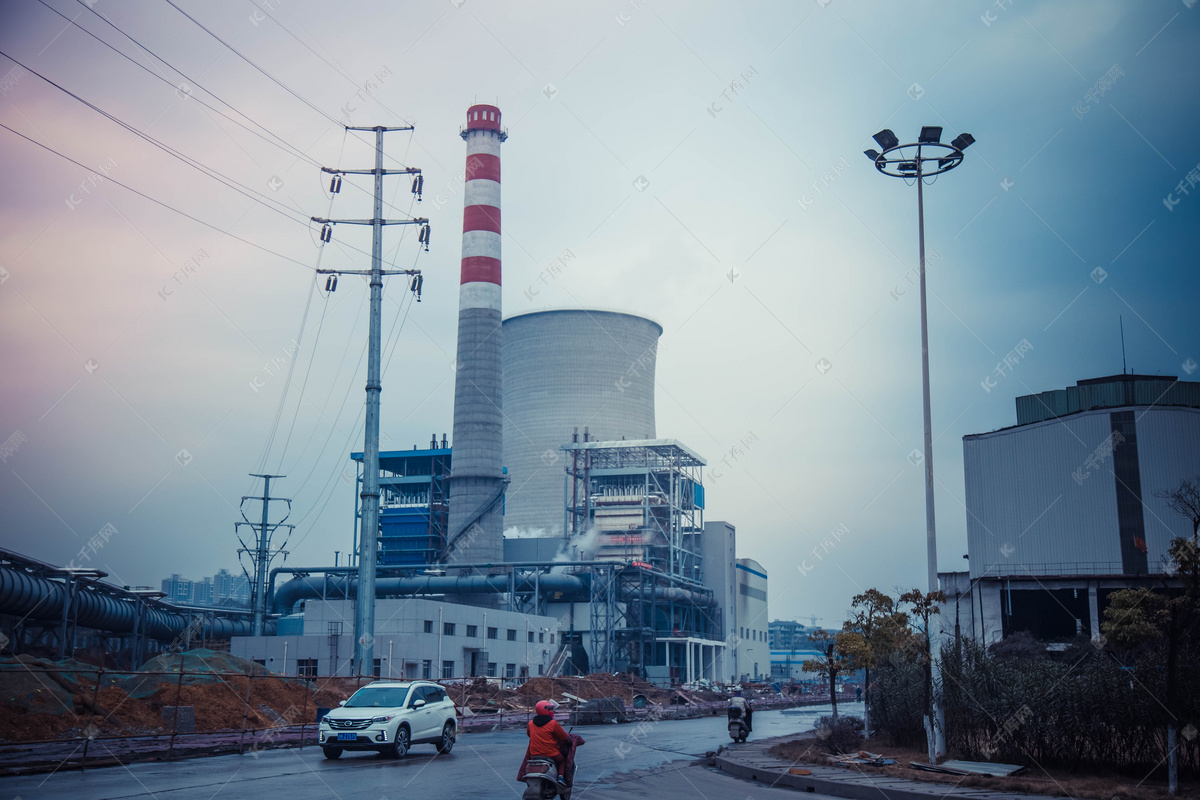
pixel 42 699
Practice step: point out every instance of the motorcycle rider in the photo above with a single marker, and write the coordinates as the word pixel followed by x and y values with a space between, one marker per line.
pixel 545 736
pixel 739 706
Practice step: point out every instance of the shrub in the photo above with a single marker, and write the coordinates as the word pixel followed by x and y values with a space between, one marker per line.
pixel 843 734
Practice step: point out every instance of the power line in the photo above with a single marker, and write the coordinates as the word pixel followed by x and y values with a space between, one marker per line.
pixel 287 146
pixel 335 67
pixel 245 58
pixel 226 181
pixel 158 202
pixel 241 188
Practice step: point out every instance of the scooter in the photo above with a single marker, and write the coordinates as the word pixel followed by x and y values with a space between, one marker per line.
pixel 542 781
pixel 738 730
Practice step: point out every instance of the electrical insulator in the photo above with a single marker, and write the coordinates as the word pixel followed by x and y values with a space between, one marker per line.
pixel 331 283
pixel 326 233
pixel 424 237
pixel 417 282
pixel 418 186
pixel 335 184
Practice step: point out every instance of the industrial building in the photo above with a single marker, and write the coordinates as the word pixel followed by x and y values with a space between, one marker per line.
pixel 611 564
pixel 1063 508
pixel 414 638
pixel 790 648
pixel 754 654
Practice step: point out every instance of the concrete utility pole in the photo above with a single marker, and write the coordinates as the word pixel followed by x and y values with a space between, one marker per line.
pixel 261 553
pixel 364 616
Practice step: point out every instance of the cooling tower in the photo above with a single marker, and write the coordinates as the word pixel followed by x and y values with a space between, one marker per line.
pixel 567 369
pixel 476 480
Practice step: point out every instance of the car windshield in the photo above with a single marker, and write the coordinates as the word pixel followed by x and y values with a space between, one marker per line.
pixel 378 697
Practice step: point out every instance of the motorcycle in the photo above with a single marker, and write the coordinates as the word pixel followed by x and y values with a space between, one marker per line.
pixel 541 777
pixel 738 729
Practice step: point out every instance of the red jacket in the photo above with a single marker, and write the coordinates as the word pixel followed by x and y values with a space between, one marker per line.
pixel 545 735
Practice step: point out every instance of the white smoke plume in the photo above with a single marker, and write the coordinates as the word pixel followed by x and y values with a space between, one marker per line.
pixel 526 533
pixel 581 546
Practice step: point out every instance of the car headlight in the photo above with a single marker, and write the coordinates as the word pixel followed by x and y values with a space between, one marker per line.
pixel 376 720
pixel 323 721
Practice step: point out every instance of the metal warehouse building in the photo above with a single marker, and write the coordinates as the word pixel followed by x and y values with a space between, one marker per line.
pixel 1063 507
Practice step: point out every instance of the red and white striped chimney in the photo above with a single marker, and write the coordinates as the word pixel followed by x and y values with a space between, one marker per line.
pixel 477 482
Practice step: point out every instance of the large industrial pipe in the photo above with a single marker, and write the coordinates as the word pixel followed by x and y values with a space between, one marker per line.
pixel 674 594
pixel 336 586
pixel 32 597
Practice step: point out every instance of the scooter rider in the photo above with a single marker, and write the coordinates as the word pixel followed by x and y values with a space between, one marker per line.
pixel 739 706
pixel 545 735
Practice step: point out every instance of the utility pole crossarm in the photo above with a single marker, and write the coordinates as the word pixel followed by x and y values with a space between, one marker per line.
pixel 405 171
pixel 379 128
pixel 413 221
pixel 368 272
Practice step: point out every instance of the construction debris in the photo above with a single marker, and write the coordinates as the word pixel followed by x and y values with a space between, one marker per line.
pixel 969 768
pixel 861 757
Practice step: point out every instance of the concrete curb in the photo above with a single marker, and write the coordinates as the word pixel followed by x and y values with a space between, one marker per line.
pixel 843 783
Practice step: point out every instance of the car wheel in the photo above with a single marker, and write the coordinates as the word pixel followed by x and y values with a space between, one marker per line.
pixel 332 752
pixel 447 742
pixel 400 746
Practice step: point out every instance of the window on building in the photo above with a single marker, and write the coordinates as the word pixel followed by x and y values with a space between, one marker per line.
pixel 377 667
pixel 524 673
pixel 427 669
pixel 262 662
pixel 531 637
pixel 512 634
pixel 541 638
pixel 541 669
pixel 472 631
pixel 448 628
pixel 492 633
pixel 306 667
pixel 510 670
pixel 552 638
pixel 447 670
pixel 429 626
pixel 491 669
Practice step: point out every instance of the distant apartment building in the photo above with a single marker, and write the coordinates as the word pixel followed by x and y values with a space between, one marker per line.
pixel 221 589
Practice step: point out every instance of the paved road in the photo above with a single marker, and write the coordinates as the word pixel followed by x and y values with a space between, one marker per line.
pixel 615 762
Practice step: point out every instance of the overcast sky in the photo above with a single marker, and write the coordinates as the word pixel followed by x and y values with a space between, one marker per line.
pixel 703 162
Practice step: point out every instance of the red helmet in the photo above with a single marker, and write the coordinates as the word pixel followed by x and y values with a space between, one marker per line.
pixel 545 707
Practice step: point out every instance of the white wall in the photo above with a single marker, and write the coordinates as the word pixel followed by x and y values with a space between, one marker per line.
pixel 752 621
pixel 400 639
pixel 1035 506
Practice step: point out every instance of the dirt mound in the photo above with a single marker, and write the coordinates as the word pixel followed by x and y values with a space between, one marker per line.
pixel 594 687
pixel 42 699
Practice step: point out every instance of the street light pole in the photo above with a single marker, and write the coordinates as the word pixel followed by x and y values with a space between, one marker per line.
pixel 930 517
pixel 899 161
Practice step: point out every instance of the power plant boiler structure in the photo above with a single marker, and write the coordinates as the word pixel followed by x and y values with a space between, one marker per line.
pixel 477 482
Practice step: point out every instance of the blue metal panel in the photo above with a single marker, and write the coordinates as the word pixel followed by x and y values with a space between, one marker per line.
pixel 698 494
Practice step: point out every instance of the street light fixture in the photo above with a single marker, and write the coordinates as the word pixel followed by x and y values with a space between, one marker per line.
pixel 929 156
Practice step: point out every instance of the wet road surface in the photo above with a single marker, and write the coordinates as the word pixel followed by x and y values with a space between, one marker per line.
pixel 482 765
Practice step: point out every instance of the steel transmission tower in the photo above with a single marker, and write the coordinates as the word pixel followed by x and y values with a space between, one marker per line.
pixel 364 616
pixel 261 553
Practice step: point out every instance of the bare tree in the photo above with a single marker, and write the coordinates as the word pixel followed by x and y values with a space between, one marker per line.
pixel 1135 616
pixel 924 605
pixel 833 661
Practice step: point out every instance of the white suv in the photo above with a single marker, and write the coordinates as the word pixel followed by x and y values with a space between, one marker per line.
pixel 390 717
